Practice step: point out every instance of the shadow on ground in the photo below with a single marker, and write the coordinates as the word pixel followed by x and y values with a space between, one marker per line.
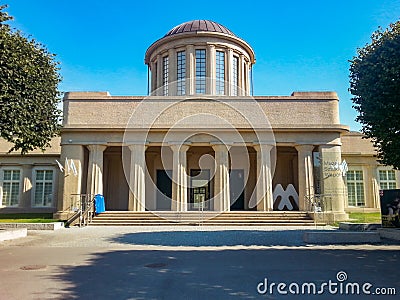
pixel 214 238
pixel 225 274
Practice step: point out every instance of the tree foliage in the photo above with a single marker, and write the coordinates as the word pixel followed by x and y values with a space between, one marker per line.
pixel 29 94
pixel 375 85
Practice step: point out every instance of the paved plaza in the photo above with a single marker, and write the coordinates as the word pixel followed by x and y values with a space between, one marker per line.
pixel 188 262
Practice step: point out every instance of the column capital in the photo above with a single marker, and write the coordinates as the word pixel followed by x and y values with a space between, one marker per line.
pixel 220 147
pixel 304 147
pixel 177 146
pixel 263 146
pixel 133 146
pixel 96 147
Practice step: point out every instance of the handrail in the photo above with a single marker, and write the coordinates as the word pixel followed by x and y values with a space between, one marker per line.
pixel 83 208
pixel 87 212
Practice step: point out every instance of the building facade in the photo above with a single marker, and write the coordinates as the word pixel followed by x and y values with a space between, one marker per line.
pixel 199 141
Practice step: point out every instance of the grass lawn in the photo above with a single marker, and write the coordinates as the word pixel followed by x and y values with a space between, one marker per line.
pixel 27 218
pixel 365 217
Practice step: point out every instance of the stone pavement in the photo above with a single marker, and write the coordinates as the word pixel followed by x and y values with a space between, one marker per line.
pixel 184 263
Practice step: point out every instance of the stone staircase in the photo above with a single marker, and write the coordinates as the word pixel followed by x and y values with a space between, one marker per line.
pixel 236 218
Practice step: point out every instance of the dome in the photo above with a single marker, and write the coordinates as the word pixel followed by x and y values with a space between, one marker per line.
pixel 198 26
pixel 200 57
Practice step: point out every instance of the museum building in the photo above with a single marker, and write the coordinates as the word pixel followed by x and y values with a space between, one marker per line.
pixel 199 140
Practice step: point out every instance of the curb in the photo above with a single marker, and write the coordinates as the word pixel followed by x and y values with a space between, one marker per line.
pixel 341 237
pixel 359 226
pixel 34 226
pixel 389 233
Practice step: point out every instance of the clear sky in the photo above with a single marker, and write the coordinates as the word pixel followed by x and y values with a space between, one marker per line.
pixel 301 45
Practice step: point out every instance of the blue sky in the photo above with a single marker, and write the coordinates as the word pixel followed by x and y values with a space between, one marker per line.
pixel 299 45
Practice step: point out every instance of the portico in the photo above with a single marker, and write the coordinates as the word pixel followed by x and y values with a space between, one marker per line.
pixel 199 174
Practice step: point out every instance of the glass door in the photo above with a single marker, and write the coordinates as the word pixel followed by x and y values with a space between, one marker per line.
pixel 199 190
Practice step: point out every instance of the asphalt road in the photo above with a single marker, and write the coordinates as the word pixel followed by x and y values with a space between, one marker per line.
pixel 192 263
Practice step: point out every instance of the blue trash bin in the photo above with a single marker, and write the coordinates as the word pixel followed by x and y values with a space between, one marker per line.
pixel 99 205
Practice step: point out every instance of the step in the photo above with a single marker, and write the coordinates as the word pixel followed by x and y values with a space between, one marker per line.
pixel 202 217
pixel 207 218
pixel 156 215
pixel 200 221
pixel 227 224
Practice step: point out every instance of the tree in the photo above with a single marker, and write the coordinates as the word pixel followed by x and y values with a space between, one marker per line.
pixel 375 85
pixel 29 78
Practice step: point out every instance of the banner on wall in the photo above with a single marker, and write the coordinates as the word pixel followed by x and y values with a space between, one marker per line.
pixel 390 208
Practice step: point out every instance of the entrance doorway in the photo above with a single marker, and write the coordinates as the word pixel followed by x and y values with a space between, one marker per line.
pixel 199 190
pixel 116 188
pixel 236 186
pixel 164 189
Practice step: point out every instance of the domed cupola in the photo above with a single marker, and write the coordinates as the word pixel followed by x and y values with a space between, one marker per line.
pixel 200 57
pixel 198 26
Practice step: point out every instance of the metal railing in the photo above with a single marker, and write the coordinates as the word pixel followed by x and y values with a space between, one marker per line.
pixel 82 206
pixel 319 205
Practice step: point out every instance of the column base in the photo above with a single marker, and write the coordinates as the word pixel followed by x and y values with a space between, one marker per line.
pixel 329 217
pixel 261 208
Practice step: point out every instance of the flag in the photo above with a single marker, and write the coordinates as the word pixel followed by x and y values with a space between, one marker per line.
pixel 344 168
pixel 60 166
pixel 67 168
pixel 73 168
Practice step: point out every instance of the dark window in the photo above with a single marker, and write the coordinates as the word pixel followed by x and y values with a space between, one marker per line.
pixel 165 75
pixel 181 72
pixel 220 73
pixel 200 71
pixel 235 78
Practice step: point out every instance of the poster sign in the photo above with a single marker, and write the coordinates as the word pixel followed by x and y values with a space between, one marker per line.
pixel 390 208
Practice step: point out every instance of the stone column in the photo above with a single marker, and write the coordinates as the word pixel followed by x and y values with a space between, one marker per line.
pixel 150 181
pixel 27 197
pixel 172 72
pixel 69 184
pixel 229 72
pixel 369 185
pixel 190 70
pixel 241 83
pixel 210 70
pixel 153 77
pixel 221 178
pixel 264 182
pixel 95 169
pixel 137 178
pixel 247 78
pixel 179 177
pixel 306 177
pixel 332 182
pixel 159 75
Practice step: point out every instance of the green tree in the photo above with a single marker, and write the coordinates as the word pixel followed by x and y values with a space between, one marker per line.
pixel 375 85
pixel 29 94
